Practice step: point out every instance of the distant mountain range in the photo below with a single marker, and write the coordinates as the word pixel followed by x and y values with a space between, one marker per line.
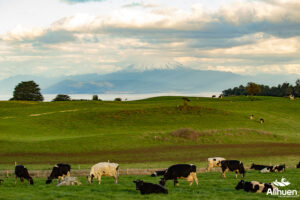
pixel 180 79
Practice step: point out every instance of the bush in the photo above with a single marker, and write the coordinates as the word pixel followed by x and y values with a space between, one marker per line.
pixel 95 98
pixel 62 97
pixel 27 91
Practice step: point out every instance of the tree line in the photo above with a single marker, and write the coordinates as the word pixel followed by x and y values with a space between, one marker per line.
pixel 281 90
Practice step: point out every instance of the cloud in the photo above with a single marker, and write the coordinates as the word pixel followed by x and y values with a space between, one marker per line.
pixel 80 1
pixel 246 36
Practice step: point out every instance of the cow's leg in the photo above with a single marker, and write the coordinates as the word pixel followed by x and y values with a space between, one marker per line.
pixel 116 178
pixel 99 179
pixel 22 180
pixel 68 174
pixel 175 182
pixel 224 173
pixel 195 178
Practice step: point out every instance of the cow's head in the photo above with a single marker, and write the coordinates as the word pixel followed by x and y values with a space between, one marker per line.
pixel 252 166
pixel 162 181
pixel 219 163
pixel 240 185
pixel 90 178
pixel 31 181
pixel 49 180
pixel 138 184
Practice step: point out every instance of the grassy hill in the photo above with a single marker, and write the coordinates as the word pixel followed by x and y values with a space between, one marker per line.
pixel 153 130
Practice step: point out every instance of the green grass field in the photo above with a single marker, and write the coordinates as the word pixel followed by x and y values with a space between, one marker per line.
pixel 150 133
pixel 211 186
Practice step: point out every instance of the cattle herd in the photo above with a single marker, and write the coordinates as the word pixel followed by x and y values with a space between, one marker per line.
pixel 61 172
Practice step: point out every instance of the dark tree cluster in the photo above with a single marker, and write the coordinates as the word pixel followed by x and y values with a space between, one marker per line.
pixel 281 90
pixel 27 91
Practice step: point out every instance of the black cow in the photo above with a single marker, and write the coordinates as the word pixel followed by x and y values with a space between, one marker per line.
pixel 148 188
pixel 59 171
pixel 254 186
pixel 232 165
pixel 279 168
pixel 183 171
pixel 158 173
pixel 22 173
pixel 298 166
pixel 260 167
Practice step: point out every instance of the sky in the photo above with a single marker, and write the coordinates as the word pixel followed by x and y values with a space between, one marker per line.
pixel 69 37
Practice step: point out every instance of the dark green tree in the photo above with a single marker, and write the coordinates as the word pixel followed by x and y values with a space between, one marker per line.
pixel 27 91
pixel 95 97
pixel 62 97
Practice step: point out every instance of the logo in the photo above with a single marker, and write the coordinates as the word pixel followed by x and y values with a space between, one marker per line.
pixel 282 183
pixel 282 193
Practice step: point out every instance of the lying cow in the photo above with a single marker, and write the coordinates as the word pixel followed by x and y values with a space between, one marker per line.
pixel 298 166
pixel 69 181
pixel 148 188
pixel 59 171
pixel 213 162
pixel 104 169
pixel 158 173
pixel 260 167
pixel 279 168
pixel 255 186
pixel 233 166
pixel 22 173
pixel 267 169
pixel 182 171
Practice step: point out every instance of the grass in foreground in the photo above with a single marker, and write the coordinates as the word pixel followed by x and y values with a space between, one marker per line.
pixel 211 186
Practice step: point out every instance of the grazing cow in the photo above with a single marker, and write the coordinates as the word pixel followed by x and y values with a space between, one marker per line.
pixel 59 171
pixel 158 173
pixel 22 173
pixel 279 168
pixel 251 117
pixel 232 165
pixel 213 162
pixel 259 167
pixel 104 169
pixel 262 121
pixel 298 166
pixel 182 171
pixel 148 188
pixel 255 186
pixel 69 181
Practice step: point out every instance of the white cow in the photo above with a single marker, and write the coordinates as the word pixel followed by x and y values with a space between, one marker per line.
pixel 104 169
pixel 213 162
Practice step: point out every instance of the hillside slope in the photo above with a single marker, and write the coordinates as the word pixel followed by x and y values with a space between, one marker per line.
pixel 157 129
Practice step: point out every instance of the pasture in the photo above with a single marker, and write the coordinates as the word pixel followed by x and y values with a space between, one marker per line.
pixel 211 186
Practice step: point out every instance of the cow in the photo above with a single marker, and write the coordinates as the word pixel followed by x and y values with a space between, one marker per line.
pixel 232 165
pixel 59 171
pixel 104 169
pixel 251 117
pixel 22 173
pixel 279 168
pixel 69 181
pixel 298 166
pixel 260 167
pixel 1 180
pixel 267 169
pixel 262 121
pixel 255 186
pixel 149 188
pixel 182 171
pixel 158 173
pixel 213 162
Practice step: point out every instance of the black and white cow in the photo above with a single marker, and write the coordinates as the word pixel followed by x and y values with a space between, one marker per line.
pixel 158 173
pixel 255 186
pixel 279 168
pixel 260 167
pixel 59 171
pixel 182 171
pixel 298 166
pixel 1 180
pixel 148 188
pixel 22 173
pixel 233 166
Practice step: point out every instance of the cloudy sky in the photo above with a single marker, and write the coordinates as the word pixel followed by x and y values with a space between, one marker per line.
pixel 66 37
